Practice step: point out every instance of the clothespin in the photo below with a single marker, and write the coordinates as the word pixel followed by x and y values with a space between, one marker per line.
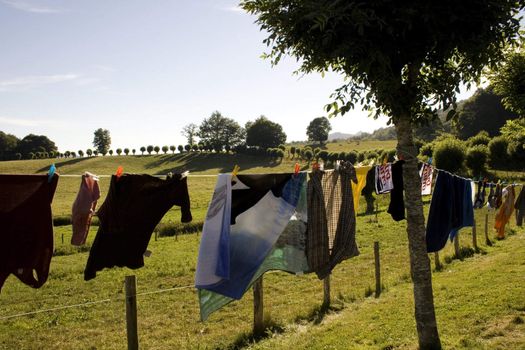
pixel 337 164
pixel 429 161
pixel 51 172
pixel 296 169
pixel 235 170
pixel 119 172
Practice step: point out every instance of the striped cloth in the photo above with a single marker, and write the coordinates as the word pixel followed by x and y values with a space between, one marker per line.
pixel 331 219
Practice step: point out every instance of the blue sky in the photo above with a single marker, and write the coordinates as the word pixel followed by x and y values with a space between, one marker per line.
pixel 144 69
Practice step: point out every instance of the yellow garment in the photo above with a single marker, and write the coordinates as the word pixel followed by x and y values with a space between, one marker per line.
pixel 505 211
pixel 361 183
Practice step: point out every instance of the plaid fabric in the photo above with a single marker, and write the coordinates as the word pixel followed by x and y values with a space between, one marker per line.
pixel 331 219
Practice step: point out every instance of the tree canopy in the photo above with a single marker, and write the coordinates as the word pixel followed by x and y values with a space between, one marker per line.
pixel 102 141
pixel 36 143
pixel 220 132
pixel 190 131
pixel 509 82
pixel 395 57
pixel 264 133
pixel 318 129
pixel 483 111
pixel 8 145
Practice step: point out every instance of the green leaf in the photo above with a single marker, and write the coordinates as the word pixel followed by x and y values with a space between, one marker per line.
pixel 451 114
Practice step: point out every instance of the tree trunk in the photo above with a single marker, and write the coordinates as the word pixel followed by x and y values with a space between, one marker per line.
pixel 419 262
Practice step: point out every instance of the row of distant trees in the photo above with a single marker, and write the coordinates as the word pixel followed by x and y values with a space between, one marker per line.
pixel 31 146
pixel 218 134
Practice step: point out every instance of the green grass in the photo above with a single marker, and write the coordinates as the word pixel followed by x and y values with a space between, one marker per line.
pixel 480 300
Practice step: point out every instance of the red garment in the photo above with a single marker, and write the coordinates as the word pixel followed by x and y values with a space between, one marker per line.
pixel 26 227
pixel 84 208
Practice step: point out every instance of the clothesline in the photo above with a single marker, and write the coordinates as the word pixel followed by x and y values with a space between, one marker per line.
pixel 89 303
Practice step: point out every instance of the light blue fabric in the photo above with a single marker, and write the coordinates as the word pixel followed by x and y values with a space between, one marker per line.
pixel 255 232
pixel 288 254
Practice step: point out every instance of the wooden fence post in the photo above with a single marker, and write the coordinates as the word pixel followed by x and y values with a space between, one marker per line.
pixel 326 291
pixel 487 240
pixel 258 307
pixel 62 238
pixel 456 246
pixel 474 236
pixel 378 269
pixel 131 313
pixel 436 261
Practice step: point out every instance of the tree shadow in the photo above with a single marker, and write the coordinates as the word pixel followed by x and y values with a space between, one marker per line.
pixel 199 162
pixel 63 163
pixel 244 340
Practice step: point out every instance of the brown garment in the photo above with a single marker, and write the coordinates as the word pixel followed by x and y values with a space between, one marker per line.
pixel 26 227
pixel 133 207
pixel 84 208
pixel 520 207
pixel 331 219
pixel 505 211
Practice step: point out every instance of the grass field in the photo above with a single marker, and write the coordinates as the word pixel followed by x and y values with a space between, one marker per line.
pixel 480 301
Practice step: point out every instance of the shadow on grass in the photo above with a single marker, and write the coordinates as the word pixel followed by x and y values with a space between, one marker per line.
pixel 317 314
pixel 198 162
pixel 58 164
pixel 244 340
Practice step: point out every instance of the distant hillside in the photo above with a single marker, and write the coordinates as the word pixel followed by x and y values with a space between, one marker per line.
pixel 341 136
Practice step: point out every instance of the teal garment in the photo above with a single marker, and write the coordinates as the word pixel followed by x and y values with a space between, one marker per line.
pixel 288 254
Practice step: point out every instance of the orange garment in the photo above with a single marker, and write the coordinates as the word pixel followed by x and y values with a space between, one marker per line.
pixel 505 210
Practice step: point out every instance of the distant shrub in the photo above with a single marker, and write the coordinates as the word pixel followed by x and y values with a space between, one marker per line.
pixel 361 156
pixel 391 155
pixel 482 138
pixel 195 147
pixel 110 152
pixel 165 149
pixel 476 159
pixel 498 156
pixel 174 229
pixel 427 150
pixel 282 147
pixel 308 154
pixel 62 220
pixel 449 154
pixel 126 151
pixel 156 149
pixel 187 148
pixel 351 157
pixel 372 155
pixel 323 155
pixel 119 151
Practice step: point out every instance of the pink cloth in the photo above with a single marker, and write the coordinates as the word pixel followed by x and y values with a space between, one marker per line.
pixel 84 208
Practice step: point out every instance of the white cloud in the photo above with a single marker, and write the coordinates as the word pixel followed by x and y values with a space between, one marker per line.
pixel 29 7
pixel 18 122
pixel 32 81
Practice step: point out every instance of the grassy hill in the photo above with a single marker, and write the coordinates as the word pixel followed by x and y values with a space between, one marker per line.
pixel 480 300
